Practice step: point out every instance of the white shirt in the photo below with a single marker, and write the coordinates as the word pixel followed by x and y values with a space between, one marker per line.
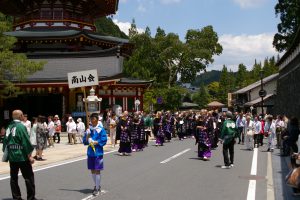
pixel 51 128
pixel 240 122
pixel 80 127
pixel 71 127
pixel 257 125
pixel 27 124
pixel 249 127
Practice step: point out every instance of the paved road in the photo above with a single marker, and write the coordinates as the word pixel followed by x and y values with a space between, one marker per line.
pixel 156 173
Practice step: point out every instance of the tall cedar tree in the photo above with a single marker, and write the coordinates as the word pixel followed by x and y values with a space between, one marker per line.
pixel 288 11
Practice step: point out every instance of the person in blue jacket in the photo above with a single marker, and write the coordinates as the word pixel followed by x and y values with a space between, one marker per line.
pixel 95 137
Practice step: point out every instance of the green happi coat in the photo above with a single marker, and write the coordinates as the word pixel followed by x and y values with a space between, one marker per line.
pixel 229 131
pixel 17 141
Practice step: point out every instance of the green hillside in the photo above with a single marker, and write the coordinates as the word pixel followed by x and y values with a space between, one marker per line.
pixel 207 78
pixel 105 26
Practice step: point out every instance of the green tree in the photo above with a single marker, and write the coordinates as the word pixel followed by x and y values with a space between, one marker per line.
pixel 202 97
pixel 213 90
pixel 224 85
pixel 105 26
pixel 167 56
pixel 133 29
pixel 241 76
pixel 288 11
pixel 14 67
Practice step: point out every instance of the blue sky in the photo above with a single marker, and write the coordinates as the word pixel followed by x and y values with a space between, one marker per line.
pixel 245 27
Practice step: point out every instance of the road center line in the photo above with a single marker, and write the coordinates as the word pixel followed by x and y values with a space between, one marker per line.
pixel 56 165
pixel 175 156
pixel 252 183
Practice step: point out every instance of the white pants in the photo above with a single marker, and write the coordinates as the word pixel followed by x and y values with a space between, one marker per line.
pixel 112 133
pixel 249 141
pixel 271 140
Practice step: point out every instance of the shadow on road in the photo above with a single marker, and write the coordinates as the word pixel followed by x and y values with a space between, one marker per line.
pixel 83 191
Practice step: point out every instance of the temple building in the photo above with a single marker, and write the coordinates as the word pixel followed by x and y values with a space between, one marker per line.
pixel 62 33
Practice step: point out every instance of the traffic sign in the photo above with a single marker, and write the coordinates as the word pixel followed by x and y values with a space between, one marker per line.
pixel 262 93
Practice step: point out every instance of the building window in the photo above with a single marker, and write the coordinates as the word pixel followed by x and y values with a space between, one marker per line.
pixel 119 101
pixel 58 13
pixel 130 103
pixel 46 13
pixel 105 103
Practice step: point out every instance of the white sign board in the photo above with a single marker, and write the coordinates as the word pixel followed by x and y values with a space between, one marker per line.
pixel 224 109
pixel 83 78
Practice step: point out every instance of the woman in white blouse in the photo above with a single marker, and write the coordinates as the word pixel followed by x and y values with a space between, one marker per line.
pixel 257 131
pixel 249 132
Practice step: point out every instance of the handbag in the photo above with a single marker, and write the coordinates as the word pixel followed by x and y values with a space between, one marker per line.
pixel 293 178
pixel 5 155
pixel 249 133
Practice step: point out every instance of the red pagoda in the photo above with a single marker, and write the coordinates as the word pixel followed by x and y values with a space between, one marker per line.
pixel 62 33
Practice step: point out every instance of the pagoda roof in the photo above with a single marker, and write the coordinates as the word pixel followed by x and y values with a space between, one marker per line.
pixel 57 34
pixel 96 8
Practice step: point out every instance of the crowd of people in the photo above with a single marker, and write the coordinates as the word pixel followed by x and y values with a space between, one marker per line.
pixel 132 131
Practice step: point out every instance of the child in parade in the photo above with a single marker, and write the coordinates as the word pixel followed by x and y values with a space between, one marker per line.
pixel 95 137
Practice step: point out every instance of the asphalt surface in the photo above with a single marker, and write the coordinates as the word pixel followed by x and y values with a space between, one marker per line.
pixel 155 174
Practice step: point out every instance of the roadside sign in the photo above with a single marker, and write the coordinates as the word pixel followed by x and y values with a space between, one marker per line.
pixel 159 100
pixel 262 93
pixel 83 78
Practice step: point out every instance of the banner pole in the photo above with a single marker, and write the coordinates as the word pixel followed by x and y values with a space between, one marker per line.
pixel 86 106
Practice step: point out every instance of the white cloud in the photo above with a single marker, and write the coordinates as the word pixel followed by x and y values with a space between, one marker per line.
pixel 170 1
pixel 244 49
pixel 125 26
pixel 249 3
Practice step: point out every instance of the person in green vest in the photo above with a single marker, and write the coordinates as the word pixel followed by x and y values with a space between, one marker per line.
pixel 19 150
pixel 228 135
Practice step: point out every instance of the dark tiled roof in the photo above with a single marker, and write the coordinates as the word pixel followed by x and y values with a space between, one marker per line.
pixel 57 69
pixel 256 84
pixel 41 34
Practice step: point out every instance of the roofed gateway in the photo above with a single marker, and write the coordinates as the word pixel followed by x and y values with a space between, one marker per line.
pixel 62 33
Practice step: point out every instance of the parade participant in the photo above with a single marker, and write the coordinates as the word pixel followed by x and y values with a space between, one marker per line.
pixel 158 129
pixel 26 123
pixel 112 129
pixel 167 127
pixel 249 129
pixel 270 129
pixel 33 132
pixel 19 156
pixel 228 135
pixel 80 129
pixel 240 123
pixel 180 127
pixel 123 129
pixel 202 139
pixel 95 137
pixel 148 127
pixel 257 131
pixel 51 131
pixel 71 130
pixel 57 125
pixel 135 132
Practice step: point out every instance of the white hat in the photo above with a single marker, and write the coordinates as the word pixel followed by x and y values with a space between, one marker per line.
pixel 79 120
pixel 56 116
pixel 70 118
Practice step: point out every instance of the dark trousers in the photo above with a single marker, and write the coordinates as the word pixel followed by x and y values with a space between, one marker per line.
pixel 240 134
pixel 228 147
pixel 56 134
pixel 256 138
pixel 27 173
